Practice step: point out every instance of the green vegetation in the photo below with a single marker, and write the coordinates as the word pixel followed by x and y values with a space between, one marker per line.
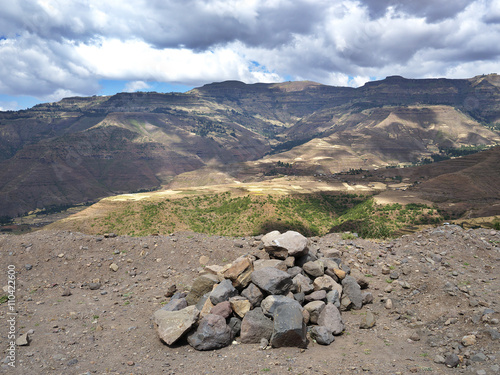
pixel 228 215
pixel 3 299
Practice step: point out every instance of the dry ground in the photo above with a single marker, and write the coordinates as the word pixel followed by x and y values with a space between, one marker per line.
pixel 109 330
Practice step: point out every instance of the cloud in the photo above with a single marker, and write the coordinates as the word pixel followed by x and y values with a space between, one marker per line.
pixel 136 86
pixel 50 48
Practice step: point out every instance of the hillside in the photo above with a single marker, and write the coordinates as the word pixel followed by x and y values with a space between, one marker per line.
pixel 82 149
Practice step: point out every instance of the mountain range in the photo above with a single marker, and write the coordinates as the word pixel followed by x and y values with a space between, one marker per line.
pixel 83 148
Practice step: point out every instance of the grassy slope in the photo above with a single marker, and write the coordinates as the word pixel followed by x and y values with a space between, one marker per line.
pixel 224 214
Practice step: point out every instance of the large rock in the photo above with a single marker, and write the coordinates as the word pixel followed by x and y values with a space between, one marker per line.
pixel 240 272
pixel 272 280
pixel 330 318
pixel 289 327
pixel 201 285
pixel 223 292
pixel 352 290
pixel 360 277
pixel 253 294
pixel 287 244
pixel 240 305
pixel 270 304
pixel 255 326
pixel 212 333
pixel 172 325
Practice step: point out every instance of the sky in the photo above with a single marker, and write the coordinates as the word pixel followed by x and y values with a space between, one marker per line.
pixel 51 49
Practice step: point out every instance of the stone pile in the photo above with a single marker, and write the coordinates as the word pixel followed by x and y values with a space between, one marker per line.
pixel 278 297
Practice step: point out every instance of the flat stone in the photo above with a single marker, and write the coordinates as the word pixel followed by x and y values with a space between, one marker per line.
pixel 275 263
pixel 272 280
pixel 23 340
pixel 289 329
pixel 318 295
pixel 172 325
pixel 240 305
pixel 240 272
pixel 212 333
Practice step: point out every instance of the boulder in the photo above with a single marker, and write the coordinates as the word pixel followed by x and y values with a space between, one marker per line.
pixel 291 244
pixel 272 302
pixel 272 280
pixel 255 326
pixel 352 290
pixel 172 325
pixel 330 318
pixel 212 333
pixel 321 335
pixel 289 329
pixel 223 292
pixel 253 294
pixel 201 285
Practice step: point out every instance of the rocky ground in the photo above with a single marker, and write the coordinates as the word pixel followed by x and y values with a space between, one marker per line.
pixel 82 317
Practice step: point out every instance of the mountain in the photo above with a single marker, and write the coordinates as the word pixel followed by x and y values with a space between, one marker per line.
pixel 81 149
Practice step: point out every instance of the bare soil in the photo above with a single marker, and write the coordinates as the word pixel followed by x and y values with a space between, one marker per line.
pixel 109 330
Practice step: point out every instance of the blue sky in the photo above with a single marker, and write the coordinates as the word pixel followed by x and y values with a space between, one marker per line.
pixel 50 49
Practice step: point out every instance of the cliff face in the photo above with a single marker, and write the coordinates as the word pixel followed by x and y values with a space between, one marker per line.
pixel 81 149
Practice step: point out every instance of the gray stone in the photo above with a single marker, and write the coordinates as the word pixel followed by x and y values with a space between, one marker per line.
pixel 255 326
pixel 352 289
pixel 495 335
pixel 438 359
pixel 299 297
pixel 326 283
pixel 333 297
pixel 361 279
pixel 23 340
pixel 478 357
pixel 367 298
pixel 253 294
pixel 202 300
pixel 275 263
pixel 318 295
pixel 302 284
pixel 94 286
pixel 175 305
pixel 330 318
pixel 309 257
pixel 272 302
pixel 315 268
pixel 172 325
pixel 289 328
pixel 223 292
pixel 452 360
pixel 368 320
pixel 201 285
pixel 272 280
pixel 212 333
pixel 314 308
pixel 269 237
pixel 294 271
pixel 321 335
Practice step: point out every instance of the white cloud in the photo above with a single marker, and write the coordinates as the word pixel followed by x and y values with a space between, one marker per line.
pixel 136 86
pixel 55 48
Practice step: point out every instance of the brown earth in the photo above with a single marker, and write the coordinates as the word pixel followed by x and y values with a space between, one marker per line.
pixel 109 330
